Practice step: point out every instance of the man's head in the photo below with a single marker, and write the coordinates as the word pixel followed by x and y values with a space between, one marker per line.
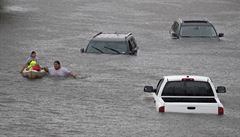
pixel 33 54
pixel 57 65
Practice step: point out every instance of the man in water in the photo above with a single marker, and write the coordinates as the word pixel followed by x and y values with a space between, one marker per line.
pixel 57 70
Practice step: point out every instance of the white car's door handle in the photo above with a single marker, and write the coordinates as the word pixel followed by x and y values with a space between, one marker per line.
pixel 191 108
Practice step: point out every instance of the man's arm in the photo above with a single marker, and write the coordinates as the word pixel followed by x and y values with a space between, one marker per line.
pixel 69 73
pixel 73 75
pixel 46 69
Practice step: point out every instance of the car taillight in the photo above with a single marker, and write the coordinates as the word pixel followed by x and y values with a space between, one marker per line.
pixel 220 110
pixel 161 109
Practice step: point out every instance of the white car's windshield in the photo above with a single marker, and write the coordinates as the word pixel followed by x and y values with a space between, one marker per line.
pixel 198 31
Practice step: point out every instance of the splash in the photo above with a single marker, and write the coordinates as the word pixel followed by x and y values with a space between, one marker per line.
pixel 15 9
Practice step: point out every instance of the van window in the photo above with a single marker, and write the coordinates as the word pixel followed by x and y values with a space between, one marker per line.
pixel 187 88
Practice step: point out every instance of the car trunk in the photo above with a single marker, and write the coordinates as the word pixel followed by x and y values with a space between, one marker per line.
pixel 191 105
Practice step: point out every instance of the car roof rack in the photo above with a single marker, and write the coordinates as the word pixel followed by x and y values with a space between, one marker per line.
pixel 97 34
pixel 195 21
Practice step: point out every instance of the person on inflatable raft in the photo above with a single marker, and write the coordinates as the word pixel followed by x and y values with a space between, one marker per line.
pixel 32 63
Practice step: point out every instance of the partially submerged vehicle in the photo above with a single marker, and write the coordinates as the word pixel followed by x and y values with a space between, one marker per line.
pixel 112 43
pixel 187 94
pixel 194 29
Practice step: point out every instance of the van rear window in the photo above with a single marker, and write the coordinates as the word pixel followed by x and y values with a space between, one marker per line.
pixel 187 88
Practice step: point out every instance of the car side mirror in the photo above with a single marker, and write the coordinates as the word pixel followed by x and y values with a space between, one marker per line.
pixel 221 89
pixel 82 50
pixel 221 35
pixel 148 89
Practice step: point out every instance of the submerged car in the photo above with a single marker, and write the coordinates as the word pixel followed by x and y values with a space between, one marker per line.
pixel 112 43
pixel 193 29
pixel 187 94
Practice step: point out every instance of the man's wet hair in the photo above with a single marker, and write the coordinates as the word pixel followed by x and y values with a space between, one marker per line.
pixel 33 52
pixel 57 62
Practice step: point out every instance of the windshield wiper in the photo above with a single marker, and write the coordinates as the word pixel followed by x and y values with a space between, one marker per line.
pixel 97 49
pixel 113 50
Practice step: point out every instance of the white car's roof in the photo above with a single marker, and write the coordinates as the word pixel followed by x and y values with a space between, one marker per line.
pixel 180 77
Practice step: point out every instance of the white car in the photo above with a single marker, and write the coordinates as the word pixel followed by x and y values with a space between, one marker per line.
pixel 187 94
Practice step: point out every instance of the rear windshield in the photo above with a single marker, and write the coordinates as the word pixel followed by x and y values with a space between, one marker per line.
pixel 187 88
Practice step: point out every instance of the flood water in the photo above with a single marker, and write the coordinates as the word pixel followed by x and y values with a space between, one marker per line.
pixel 107 98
